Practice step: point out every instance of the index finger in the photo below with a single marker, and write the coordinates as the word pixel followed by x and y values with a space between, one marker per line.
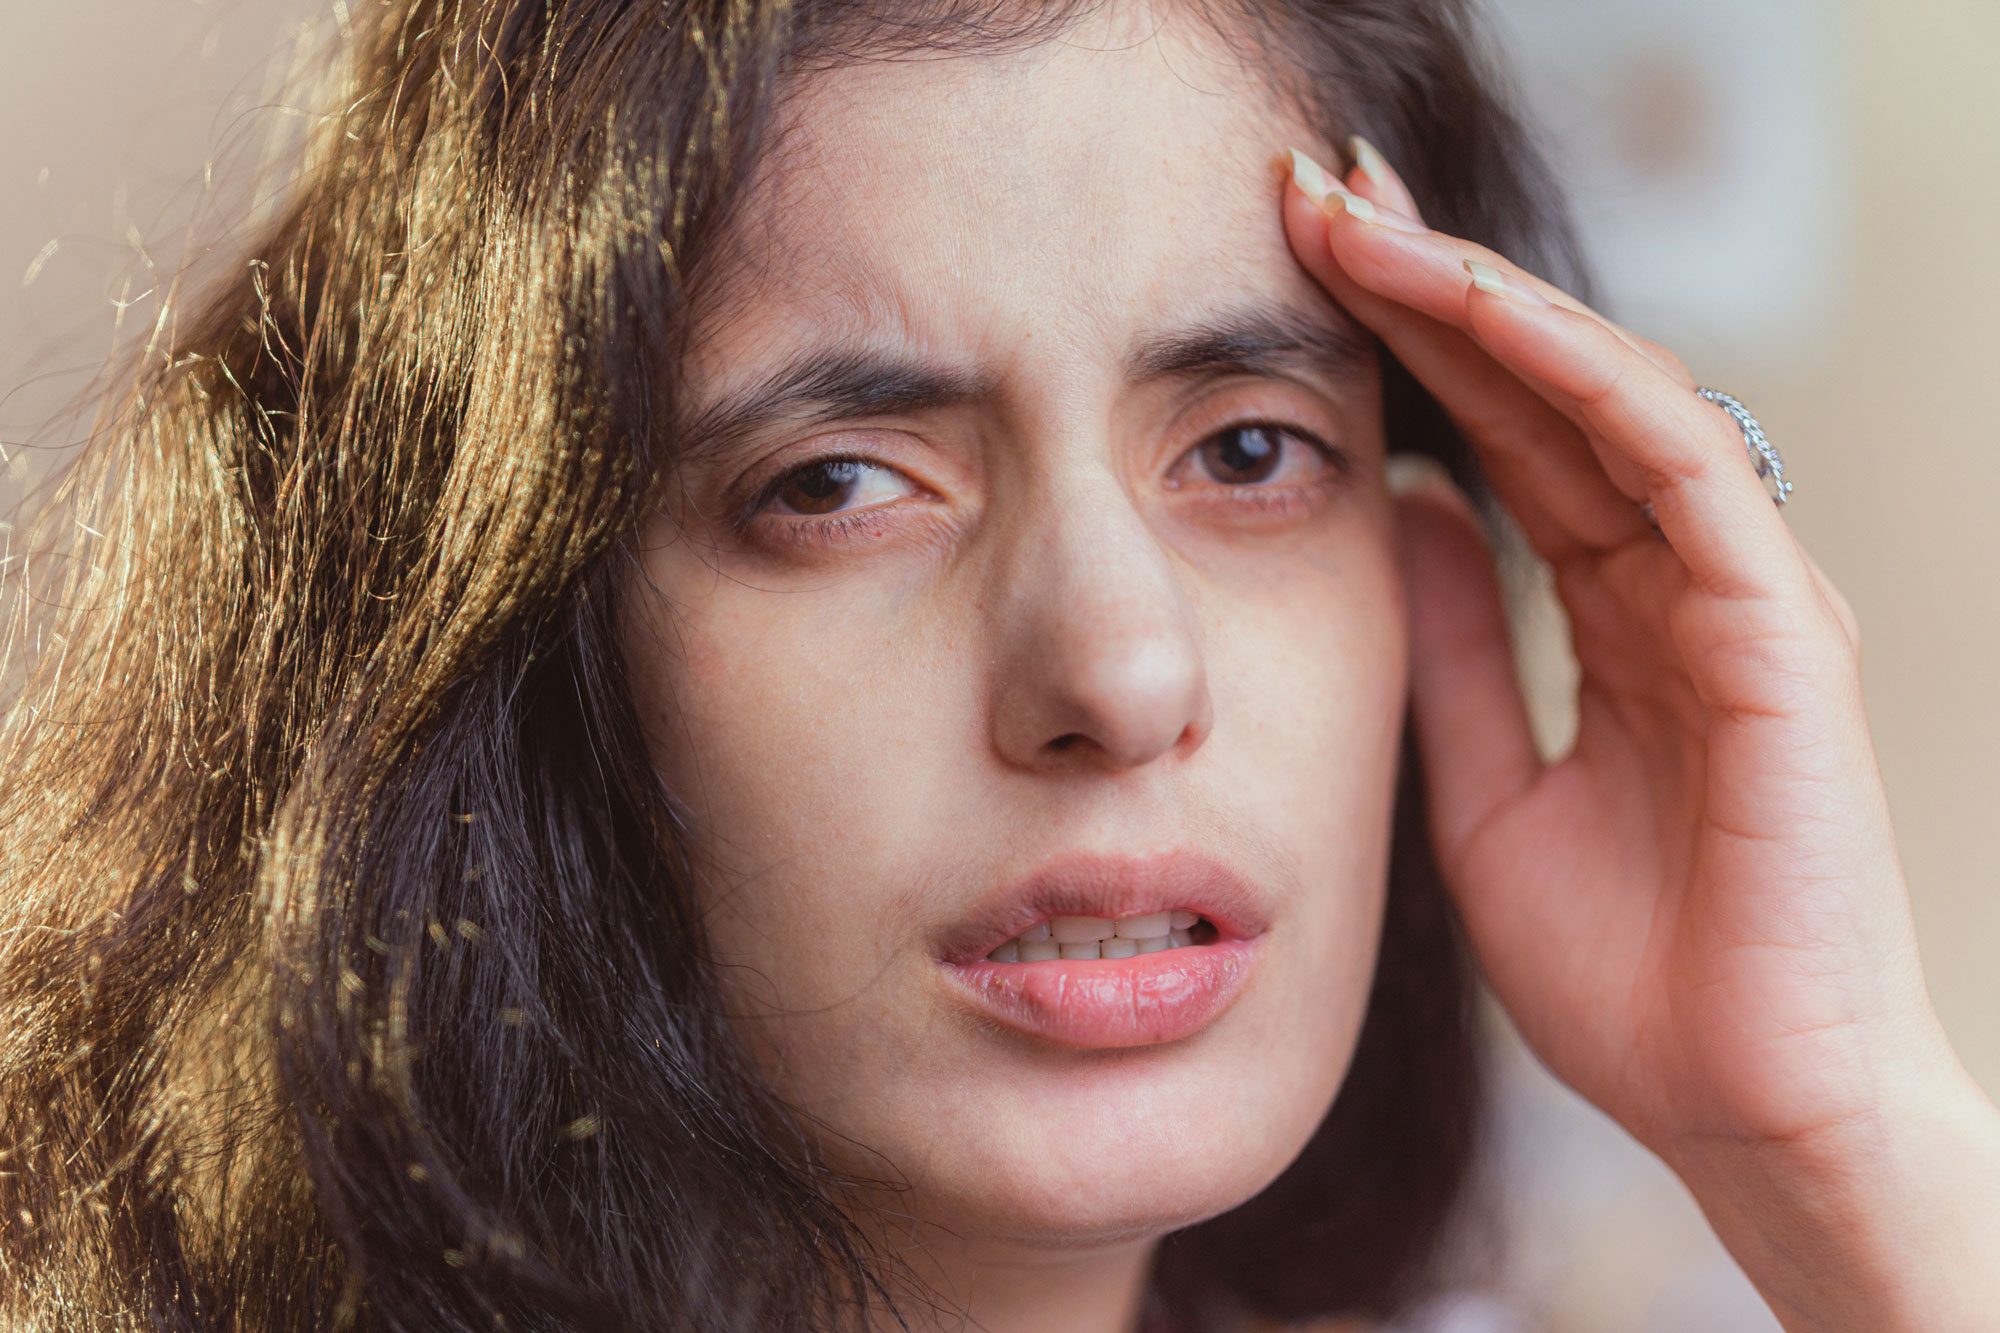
pixel 1638 417
pixel 1540 465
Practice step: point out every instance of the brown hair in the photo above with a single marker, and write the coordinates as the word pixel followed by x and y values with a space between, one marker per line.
pixel 349 969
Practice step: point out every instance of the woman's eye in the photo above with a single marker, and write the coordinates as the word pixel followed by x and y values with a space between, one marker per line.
pixel 1251 453
pixel 1260 466
pixel 821 486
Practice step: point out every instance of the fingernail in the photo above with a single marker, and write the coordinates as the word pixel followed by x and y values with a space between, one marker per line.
pixel 1312 179
pixel 1488 279
pixel 1403 472
pixel 1385 179
pixel 1370 212
pixel 1378 170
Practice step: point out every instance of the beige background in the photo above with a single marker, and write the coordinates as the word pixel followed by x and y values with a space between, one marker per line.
pixel 1889 427
pixel 113 107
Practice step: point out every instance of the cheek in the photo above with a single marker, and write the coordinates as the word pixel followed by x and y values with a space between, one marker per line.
pixel 1313 671
pixel 814 769
pixel 797 738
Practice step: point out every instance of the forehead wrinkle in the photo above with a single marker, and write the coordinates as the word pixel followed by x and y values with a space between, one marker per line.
pixel 823 235
pixel 862 375
pixel 856 303
pixel 1135 246
pixel 1086 312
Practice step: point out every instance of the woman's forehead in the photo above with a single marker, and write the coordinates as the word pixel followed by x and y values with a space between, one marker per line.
pixel 1066 196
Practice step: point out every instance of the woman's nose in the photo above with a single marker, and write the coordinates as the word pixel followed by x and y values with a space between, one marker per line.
pixel 1099 658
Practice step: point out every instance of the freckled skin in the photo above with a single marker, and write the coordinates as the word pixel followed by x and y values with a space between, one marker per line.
pixel 867 732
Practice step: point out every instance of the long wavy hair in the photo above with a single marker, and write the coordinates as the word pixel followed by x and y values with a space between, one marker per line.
pixel 350 969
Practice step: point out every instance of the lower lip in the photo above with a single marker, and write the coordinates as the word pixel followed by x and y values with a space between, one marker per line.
pixel 1109 1002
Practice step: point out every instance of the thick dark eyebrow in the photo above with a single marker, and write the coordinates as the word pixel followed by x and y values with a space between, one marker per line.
pixel 843 381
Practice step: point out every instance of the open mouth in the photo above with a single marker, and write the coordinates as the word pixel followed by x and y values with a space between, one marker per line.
pixel 1071 938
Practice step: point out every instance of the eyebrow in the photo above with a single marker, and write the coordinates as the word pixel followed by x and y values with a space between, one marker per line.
pixel 842 381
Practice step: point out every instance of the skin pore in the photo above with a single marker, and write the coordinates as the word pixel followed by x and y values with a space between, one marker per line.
pixel 1080 610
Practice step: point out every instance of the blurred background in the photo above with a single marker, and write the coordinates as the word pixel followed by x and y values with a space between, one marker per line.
pixel 1795 195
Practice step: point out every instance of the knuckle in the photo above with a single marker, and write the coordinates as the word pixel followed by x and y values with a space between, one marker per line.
pixel 1365 266
pixel 1665 358
pixel 1604 381
pixel 1835 602
pixel 1850 624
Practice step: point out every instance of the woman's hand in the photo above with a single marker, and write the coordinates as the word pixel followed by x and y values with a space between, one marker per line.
pixel 1696 917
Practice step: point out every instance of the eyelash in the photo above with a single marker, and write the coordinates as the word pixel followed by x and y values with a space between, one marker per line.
pixel 832 529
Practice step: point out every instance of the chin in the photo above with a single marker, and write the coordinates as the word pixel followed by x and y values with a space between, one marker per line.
pixel 1126 1198
pixel 1133 1147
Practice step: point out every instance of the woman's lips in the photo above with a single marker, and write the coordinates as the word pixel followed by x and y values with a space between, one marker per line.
pixel 1101 1003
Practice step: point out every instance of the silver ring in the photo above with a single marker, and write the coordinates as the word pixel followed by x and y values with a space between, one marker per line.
pixel 1762 452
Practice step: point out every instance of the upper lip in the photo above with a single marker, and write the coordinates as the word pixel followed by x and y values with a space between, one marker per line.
pixel 1096 884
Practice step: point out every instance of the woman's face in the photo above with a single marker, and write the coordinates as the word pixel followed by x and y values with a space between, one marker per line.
pixel 1086 605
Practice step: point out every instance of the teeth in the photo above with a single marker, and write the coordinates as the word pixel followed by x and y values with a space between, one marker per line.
pixel 1080 929
pixel 1097 937
pixel 1145 927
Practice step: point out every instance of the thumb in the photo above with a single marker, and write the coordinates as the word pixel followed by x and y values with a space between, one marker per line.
pixel 1472 726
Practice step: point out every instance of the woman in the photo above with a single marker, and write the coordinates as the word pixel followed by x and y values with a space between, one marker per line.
pixel 583 688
